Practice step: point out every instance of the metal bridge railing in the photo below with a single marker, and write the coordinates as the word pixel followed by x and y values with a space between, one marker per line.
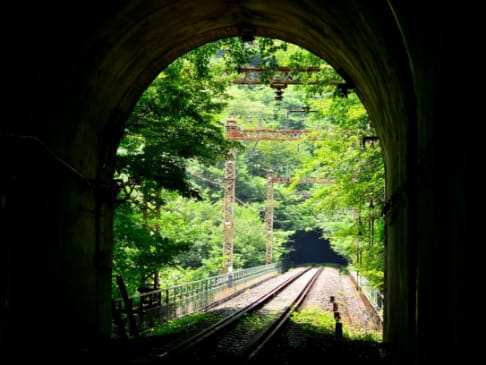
pixel 138 313
pixel 375 297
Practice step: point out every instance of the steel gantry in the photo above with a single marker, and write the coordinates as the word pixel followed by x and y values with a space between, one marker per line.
pixel 236 133
pixel 280 77
pixel 252 75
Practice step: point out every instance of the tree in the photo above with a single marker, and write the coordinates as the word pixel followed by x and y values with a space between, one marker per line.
pixel 176 120
pixel 348 208
pixel 171 163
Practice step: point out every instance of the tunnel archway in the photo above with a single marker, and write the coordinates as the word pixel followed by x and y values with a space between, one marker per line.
pixel 94 63
pixel 309 247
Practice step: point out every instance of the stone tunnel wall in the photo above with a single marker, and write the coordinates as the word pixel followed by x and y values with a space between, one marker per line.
pixel 75 71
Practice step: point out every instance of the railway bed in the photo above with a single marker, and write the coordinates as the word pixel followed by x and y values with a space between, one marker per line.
pixel 293 344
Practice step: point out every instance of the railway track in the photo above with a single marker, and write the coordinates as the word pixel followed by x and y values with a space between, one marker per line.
pixel 255 332
pixel 239 337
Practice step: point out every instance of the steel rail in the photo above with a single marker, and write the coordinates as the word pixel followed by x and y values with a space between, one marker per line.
pixel 224 323
pixel 261 340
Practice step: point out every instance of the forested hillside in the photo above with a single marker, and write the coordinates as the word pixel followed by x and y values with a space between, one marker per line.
pixel 168 223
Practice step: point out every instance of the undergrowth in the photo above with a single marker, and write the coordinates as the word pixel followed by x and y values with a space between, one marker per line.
pixel 186 323
pixel 323 322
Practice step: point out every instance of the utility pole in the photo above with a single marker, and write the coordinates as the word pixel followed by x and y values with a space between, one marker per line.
pixel 229 211
pixel 269 218
pixel 271 179
pixel 236 133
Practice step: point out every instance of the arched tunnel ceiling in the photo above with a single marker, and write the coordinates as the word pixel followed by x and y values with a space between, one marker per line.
pixel 74 70
pixel 355 38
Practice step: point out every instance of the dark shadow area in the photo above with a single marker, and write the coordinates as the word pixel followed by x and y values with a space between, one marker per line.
pixel 299 345
pixel 295 344
pixel 310 247
pixel 75 72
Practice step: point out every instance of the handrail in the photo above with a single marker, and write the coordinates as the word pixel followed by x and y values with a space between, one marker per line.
pixel 222 279
pixel 157 306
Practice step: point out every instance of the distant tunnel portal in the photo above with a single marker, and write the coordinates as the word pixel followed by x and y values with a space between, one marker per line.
pixel 310 247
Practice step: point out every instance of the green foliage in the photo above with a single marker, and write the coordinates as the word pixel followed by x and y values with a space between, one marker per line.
pixel 314 320
pixel 255 321
pixel 204 256
pixel 347 209
pixel 170 167
pixel 173 121
pixel 137 251
pixel 187 323
pixel 323 322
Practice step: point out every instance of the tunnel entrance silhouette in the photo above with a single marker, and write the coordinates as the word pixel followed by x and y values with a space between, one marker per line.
pixel 75 73
pixel 308 247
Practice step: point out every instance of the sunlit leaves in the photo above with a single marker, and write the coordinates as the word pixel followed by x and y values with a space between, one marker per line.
pixel 348 208
pixel 175 142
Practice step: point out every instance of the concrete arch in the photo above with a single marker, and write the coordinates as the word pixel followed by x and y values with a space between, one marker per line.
pixel 77 71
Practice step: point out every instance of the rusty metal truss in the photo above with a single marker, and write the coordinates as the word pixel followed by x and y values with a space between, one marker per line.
pixel 303 180
pixel 269 218
pixel 229 211
pixel 278 76
pixel 236 133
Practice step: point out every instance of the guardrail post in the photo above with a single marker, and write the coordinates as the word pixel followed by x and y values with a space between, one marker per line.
pixel 339 329
pixel 128 305
pixel 120 325
pixel 230 279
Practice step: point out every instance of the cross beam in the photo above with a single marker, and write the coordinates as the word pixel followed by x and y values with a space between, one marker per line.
pixel 303 180
pixel 236 133
pixel 279 76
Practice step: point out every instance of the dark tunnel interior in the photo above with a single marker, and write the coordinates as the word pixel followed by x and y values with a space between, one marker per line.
pixel 308 247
